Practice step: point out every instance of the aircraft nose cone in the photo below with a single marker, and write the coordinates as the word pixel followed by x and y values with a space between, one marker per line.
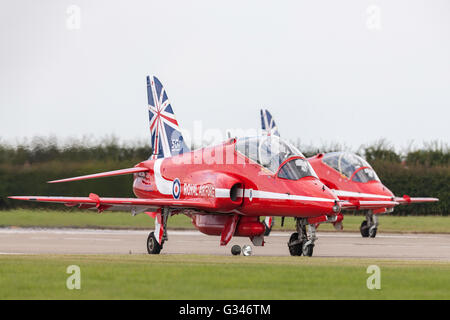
pixel 388 192
pixel 381 189
pixel 337 208
pixel 330 203
pixel 318 199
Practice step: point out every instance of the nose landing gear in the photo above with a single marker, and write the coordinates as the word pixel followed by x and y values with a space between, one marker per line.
pixel 369 226
pixel 302 242
pixel 295 245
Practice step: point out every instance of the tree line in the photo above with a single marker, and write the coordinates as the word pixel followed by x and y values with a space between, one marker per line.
pixel 26 166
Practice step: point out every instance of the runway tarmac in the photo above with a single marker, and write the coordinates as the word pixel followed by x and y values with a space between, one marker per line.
pixel 330 244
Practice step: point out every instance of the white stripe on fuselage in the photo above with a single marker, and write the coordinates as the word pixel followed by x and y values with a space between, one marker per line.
pixel 164 186
pixel 259 194
pixel 343 193
pixel 222 193
pixel 283 196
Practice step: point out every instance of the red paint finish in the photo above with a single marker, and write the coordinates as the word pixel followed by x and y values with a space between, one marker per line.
pixel 333 179
pixel 205 181
pixel 250 227
pixel 215 225
pixel 350 188
pixel 223 190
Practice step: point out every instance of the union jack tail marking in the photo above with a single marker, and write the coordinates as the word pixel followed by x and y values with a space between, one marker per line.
pixel 268 125
pixel 166 137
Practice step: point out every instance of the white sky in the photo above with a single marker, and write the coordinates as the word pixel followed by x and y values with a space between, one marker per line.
pixel 321 67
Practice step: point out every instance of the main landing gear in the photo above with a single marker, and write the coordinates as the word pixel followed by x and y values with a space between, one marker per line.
pixel 156 239
pixel 369 226
pixel 153 247
pixel 302 242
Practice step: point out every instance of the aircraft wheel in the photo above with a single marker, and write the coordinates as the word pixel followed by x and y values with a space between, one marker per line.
pixel 235 250
pixel 308 250
pixel 153 247
pixel 295 249
pixel 364 229
pixel 373 232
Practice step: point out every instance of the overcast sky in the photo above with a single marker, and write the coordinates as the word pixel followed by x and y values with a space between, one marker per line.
pixel 349 72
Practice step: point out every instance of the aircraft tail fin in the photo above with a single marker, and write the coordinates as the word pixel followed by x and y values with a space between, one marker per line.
pixel 268 125
pixel 166 137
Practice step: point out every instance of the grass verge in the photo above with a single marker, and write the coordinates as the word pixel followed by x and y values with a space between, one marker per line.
pixel 121 220
pixel 217 277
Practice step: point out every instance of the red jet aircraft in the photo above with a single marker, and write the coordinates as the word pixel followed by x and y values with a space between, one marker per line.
pixel 351 178
pixel 224 189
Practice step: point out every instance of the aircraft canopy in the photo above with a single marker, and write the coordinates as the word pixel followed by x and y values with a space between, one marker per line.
pixel 351 166
pixel 271 152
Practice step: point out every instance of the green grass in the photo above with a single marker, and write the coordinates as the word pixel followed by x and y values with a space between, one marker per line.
pixel 89 219
pixel 77 219
pixel 214 277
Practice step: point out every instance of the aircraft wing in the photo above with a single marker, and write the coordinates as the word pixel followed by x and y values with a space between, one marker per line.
pixel 362 205
pixel 407 200
pixel 119 204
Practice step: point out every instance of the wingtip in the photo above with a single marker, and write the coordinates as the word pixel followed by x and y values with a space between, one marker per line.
pixel 18 197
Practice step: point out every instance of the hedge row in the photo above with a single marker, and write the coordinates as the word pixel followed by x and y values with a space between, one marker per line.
pixel 24 170
pixel 417 181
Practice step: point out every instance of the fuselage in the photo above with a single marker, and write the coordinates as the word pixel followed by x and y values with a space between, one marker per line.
pixel 230 182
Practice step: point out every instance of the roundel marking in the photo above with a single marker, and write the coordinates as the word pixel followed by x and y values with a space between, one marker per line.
pixel 176 189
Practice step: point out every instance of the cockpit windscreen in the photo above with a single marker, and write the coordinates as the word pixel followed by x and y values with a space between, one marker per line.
pixel 351 166
pixel 268 151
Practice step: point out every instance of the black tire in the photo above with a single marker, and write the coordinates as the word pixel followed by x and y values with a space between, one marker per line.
pixel 364 229
pixel 308 250
pixel 235 250
pixel 153 247
pixel 373 233
pixel 295 249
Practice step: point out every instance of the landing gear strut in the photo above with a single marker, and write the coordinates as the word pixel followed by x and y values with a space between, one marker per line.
pixel 156 239
pixel 302 242
pixel 369 226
